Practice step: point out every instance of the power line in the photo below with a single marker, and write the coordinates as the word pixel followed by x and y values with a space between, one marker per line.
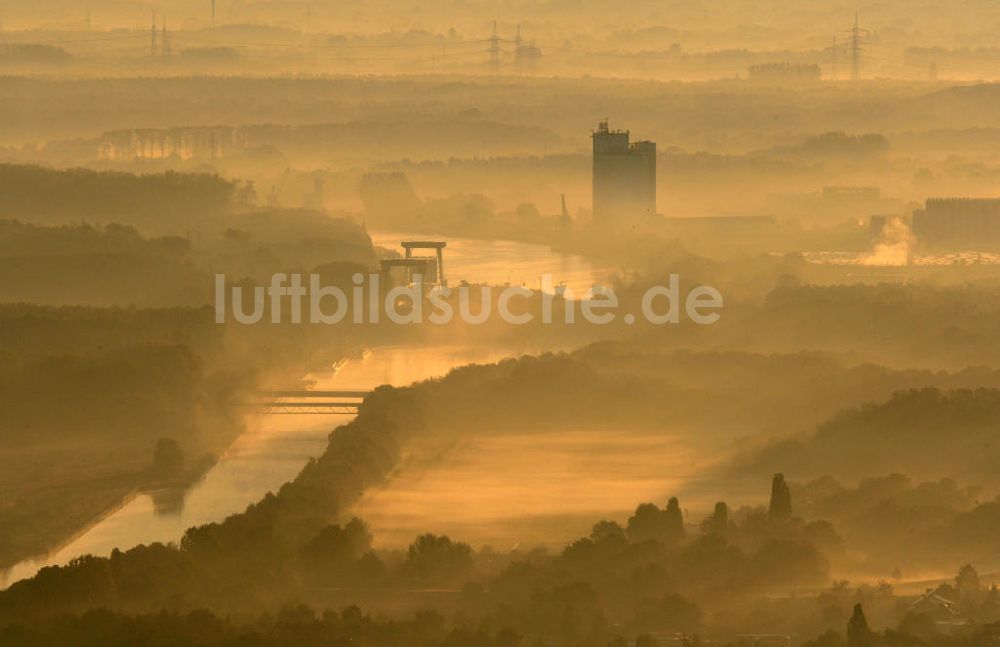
pixel 216 41
pixel 162 42
pixel 430 58
pixel 69 41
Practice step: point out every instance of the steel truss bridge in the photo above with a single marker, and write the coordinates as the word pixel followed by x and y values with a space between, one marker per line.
pixel 311 402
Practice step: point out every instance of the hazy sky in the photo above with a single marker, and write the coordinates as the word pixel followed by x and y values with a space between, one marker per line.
pixel 748 15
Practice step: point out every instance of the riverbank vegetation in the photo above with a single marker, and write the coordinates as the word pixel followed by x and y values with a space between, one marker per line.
pixel 663 569
pixel 110 346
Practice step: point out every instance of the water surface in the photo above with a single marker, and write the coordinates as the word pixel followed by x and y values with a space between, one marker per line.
pixel 275 447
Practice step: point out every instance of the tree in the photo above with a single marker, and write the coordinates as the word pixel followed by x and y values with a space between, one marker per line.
pixel 168 458
pixel 673 520
pixel 919 625
pixel 969 589
pixel 858 632
pixel 649 523
pixel 646 524
pixel 780 508
pixel 388 194
pixel 718 523
pixel 606 529
pixel 967 581
pixel 336 549
pixel 436 558
pixel 784 561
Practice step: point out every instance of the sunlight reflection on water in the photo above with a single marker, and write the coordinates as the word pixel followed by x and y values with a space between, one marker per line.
pixel 274 448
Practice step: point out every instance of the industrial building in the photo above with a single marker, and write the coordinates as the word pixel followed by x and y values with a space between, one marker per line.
pixel 624 178
pixel 958 222
pixel 427 270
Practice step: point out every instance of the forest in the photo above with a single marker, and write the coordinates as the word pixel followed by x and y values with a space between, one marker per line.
pixel 190 455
